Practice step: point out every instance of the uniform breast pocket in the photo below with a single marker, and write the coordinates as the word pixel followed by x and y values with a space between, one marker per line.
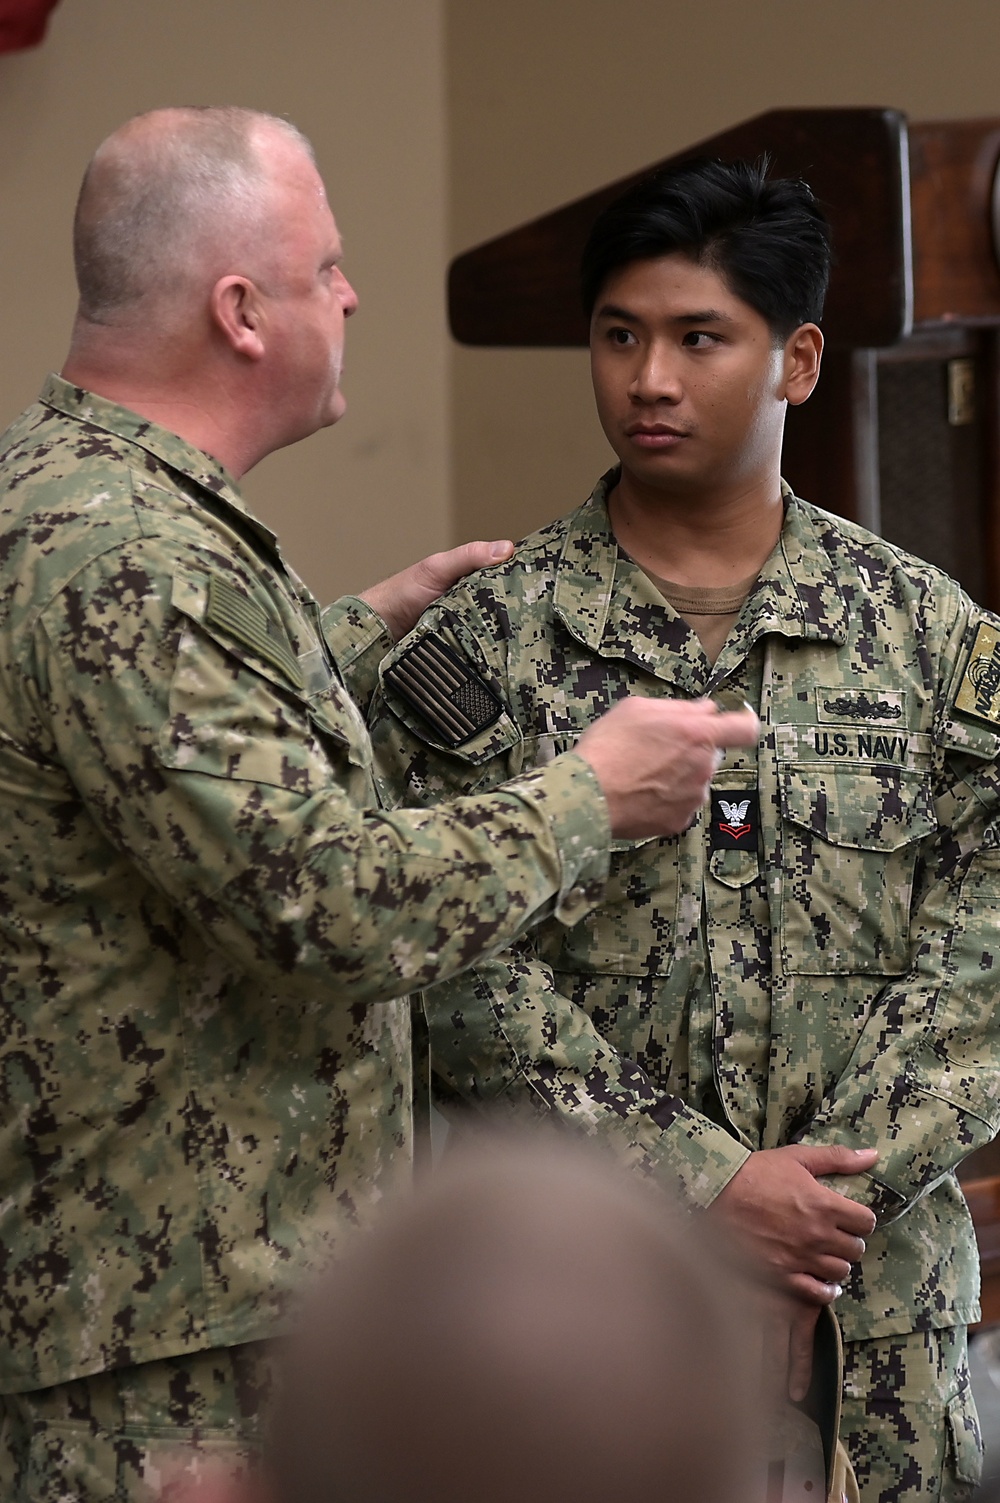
pixel 633 933
pixel 851 837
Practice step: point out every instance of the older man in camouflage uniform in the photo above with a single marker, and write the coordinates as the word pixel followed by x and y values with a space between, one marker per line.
pixel 811 966
pixel 201 1084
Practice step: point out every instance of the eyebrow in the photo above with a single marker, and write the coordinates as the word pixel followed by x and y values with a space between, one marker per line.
pixel 699 316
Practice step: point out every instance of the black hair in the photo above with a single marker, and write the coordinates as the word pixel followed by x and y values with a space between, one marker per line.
pixel 767 238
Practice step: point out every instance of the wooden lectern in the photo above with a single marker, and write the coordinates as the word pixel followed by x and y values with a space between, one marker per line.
pixel 903 431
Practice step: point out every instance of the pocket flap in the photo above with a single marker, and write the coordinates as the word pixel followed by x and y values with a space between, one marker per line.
pixel 965 1440
pixel 876 808
pixel 237 713
pixel 734 868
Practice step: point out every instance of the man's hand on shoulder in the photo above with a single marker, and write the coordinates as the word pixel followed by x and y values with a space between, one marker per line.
pixel 402 598
pixel 800 1234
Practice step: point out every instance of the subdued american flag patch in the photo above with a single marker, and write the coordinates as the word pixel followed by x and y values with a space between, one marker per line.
pixel 444 689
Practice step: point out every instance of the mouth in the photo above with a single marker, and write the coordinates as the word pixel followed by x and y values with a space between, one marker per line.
pixel 655 435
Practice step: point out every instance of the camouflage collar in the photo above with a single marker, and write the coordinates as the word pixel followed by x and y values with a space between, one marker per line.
pixel 172 450
pixel 602 597
pixel 798 593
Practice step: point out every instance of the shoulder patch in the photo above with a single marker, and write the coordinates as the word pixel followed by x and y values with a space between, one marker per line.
pixel 979 690
pixel 445 690
pixel 245 621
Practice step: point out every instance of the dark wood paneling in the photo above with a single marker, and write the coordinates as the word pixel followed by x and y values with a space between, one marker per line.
pixel 829 441
pixel 931 469
pixel 983 1164
pixel 955 275
pixel 990 366
pixel 874 443
pixel 522 288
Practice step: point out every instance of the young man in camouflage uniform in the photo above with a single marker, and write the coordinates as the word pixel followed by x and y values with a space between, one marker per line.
pixel 809 967
pixel 201 1086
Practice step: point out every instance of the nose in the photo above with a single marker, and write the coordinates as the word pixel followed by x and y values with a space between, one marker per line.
pixel 656 376
pixel 347 294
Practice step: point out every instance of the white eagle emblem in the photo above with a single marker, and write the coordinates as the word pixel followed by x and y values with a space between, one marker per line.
pixel 735 813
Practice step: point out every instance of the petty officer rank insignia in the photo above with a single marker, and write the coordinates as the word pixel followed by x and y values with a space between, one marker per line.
pixel 445 690
pixel 735 820
pixel 979 692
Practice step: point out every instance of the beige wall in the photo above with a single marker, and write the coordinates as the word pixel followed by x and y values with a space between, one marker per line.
pixel 550 100
pixel 439 123
pixel 364 79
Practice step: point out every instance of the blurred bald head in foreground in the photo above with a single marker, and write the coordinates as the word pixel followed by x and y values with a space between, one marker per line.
pixel 535 1326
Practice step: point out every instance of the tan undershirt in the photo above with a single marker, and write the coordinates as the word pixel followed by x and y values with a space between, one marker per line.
pixel 710 613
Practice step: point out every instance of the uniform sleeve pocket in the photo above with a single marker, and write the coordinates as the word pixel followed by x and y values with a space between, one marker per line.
pixel 444 697
pixel 850 841
pixel 232 715
pixel 965 1447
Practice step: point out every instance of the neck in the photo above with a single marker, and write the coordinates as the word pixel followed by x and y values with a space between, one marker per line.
pixel 175 388
pixel 707 541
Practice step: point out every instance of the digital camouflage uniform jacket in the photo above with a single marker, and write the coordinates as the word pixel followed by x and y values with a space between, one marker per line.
pixel 200 909
pixel 816 959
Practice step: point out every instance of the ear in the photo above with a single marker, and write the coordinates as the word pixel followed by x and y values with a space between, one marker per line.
pixel 800 369
pixel 238 315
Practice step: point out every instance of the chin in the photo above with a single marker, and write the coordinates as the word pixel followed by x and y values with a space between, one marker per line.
pixel 323 417
pixel 662 477
pixel 335 409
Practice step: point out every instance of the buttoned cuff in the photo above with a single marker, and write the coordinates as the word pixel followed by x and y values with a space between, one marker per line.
pixel 879 1197
pixel 697 1159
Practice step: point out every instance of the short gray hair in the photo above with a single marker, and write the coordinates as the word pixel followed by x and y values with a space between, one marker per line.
pixel 166 185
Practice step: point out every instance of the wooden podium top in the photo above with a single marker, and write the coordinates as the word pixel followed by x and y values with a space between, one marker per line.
pixel 910 207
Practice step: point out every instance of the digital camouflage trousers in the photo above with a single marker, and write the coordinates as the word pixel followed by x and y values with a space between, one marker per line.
pixel 909 1419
